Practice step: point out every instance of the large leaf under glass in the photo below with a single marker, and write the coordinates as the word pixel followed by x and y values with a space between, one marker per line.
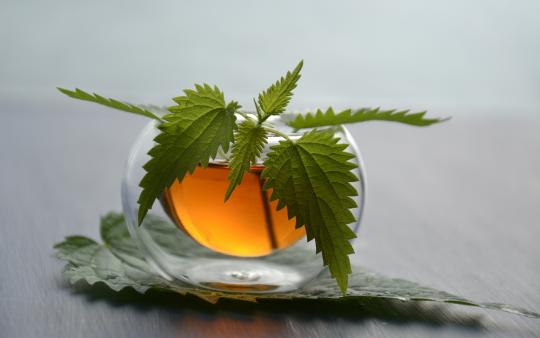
pixel 118 264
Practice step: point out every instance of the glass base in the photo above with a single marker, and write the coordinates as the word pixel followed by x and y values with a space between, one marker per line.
pixel 255 276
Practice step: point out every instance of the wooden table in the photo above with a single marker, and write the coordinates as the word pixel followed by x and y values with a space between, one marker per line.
pixel 454 206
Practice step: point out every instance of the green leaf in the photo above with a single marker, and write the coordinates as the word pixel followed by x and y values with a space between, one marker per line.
pixel 311 177
pixel 77 249
pixel 112 264
pixel 111 103
pixel 248 145
pixel 275 99
pixel 330 118
pixel 191 135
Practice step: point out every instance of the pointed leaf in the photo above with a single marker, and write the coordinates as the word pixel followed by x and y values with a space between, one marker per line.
pixel 111 103
pixel 97 263
pixel 330 118
pixel 249 143
pixel 307 176
pixel 275 99
pixel 191 135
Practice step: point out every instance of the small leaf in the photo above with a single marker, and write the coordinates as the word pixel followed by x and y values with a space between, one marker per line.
pixel 330 118
pixel 111 103
pixel 249 143
pixel 312 178
pixel 191 135
pixel 275 99
pixel 95 263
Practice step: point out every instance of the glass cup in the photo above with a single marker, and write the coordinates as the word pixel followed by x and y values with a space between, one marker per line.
pixel 242 245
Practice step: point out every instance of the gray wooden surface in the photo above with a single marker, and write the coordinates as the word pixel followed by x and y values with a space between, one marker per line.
pixel 453 206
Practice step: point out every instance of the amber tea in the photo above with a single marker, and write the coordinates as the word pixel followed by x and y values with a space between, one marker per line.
pixel 247 225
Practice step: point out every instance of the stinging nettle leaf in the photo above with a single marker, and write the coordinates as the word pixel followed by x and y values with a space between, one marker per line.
pixel 311 177
pixel 248 145
pixel 191 135
pixel 111 103
pixel 275 99
pixel 330 118
pixel 118 265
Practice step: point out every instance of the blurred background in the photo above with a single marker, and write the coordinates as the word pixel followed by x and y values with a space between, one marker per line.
pixel 449 57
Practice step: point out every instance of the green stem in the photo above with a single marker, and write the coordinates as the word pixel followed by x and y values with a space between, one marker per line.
pixel 277 133
pixel 245 115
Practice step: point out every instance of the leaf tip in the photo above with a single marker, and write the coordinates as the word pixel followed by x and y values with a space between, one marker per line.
pixel 64 91
pixel 229 192
pixel 141 215
pixel 343 285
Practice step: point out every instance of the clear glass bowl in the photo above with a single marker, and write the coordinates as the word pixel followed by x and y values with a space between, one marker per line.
pixel 226 267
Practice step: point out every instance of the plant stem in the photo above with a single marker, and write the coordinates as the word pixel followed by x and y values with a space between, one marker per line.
pixel 277 133
pixel 244 114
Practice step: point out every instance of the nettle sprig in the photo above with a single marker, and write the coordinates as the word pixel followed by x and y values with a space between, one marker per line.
pixel 311 176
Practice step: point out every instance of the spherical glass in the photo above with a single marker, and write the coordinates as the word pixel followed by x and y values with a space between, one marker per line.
pixel 242 245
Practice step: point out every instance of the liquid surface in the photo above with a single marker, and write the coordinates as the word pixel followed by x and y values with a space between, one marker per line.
pixel 247 225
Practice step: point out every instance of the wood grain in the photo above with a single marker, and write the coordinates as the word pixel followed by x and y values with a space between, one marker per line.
pixel 452 206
